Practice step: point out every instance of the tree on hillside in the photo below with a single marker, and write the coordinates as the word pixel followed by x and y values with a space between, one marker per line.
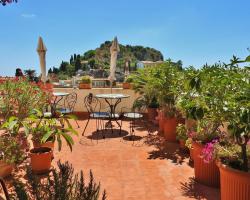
pixel 55 70
pixel 78 64
pixel 71 61
pixel 50 71
pixel 89 54
pixel 92 63
pixel 63 66
pixel 70 70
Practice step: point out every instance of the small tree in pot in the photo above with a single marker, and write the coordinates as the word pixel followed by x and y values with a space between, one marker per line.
pixel 232 149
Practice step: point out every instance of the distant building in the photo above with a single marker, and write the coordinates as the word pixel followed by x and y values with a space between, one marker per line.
pixel 84 62
pixel 142 64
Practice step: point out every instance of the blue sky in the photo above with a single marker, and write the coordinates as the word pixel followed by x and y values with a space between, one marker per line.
pixel 194 31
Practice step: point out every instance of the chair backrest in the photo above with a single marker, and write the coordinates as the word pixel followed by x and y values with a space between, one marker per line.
pixel 70 101
pixel 92 104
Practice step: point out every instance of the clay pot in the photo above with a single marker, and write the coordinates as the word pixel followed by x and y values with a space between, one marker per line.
pixel 182 144
pixel 152 113
pixel 48 144
pixel 40 159
pixel 126 85
pixel 161 121
pixel 84 86
pixel 170 125
pixel 5 169
pixel 191 154
pixel 234 184
pixel 205 173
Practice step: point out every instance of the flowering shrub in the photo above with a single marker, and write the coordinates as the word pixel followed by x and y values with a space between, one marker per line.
pixel 5 2
pixel 204 133
pixel 20 97
pixel 208 151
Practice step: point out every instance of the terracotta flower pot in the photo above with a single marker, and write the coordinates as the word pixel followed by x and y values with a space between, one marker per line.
pixel 5 169
pixel 48 144
pixel 170 125
pixel 152 113
pixel 161 121
pixel 205 173
pixel 234 184
pixel 182 144
pixel 126 85
pixel 191 154
pixel 40 159
pixel 84 86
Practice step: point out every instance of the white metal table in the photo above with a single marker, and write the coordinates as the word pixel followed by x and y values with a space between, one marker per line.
pixel 112 100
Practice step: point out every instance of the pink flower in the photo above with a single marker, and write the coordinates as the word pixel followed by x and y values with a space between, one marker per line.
pixel 208 151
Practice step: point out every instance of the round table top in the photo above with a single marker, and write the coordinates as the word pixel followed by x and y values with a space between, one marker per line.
pixel 60 94
pixel 112 96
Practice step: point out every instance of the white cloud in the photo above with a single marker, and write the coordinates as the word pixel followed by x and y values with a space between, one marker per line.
pixel 27 15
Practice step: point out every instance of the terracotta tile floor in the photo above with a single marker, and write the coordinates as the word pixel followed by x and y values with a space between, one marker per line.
pixel 144 169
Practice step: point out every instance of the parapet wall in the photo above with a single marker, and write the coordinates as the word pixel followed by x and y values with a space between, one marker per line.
pixel 81 93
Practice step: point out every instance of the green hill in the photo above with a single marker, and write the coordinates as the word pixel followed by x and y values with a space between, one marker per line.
pixel 100 58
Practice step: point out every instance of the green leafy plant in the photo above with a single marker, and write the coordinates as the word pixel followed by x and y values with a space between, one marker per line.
pixel 51 129
pixel 10 150
pixel 181 132
pixel 61 184
pixel 224 93
pixel 85 79
pixel 162 82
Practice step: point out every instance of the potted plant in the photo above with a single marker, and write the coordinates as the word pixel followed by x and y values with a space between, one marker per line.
pixel 188 144
pixel 10 154
pixel 232 149
pixel 182 135
pixel 127 83
pixel 85 82
pixel 142 84
pixel 169 87
pixel 44 133
pixel 205 172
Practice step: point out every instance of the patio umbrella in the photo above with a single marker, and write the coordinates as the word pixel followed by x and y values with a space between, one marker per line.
pixel 114 50
pixel 41 50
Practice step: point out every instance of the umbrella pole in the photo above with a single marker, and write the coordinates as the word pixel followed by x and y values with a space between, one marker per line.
pixel 111 83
